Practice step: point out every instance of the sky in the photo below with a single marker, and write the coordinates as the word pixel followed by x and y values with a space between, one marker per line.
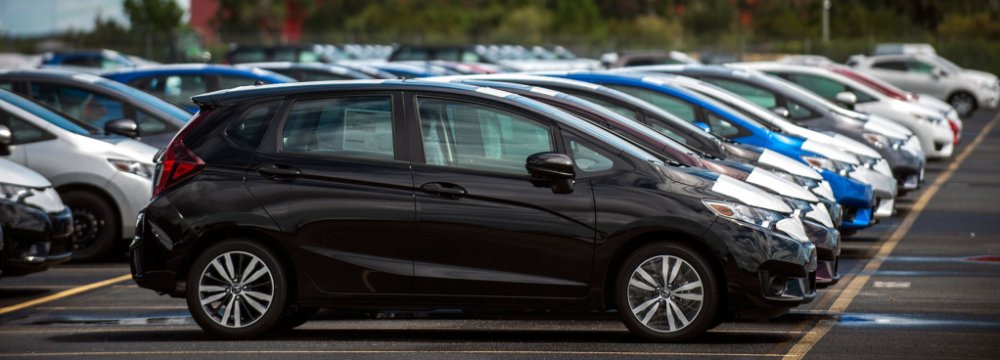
pixel 38 17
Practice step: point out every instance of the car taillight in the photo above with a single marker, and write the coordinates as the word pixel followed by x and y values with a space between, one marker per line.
pixel 954 130
pixel 177 161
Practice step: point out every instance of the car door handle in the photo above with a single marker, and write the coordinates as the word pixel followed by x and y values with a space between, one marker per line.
pixel 444 189
pixel 277 171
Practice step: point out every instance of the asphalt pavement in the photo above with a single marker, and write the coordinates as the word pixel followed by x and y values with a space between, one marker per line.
pixel 923 284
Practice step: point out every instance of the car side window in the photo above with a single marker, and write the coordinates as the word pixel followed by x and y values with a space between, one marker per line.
pixel 827 88
pixel 178 89
pixel 894 65
pixel 358 127
pixel 467 135
pixel 755 94
pixel 725 128
pixel 588 158
pixel 919 67
pixel 249 129
pixel 93 108
pixel 673 105
pixel 21 131
pixel 9 86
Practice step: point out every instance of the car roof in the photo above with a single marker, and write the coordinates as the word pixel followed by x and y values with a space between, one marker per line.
pixel 248 92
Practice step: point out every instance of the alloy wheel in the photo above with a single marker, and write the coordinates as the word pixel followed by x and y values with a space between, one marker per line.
pixel 665 293
pixel 236 289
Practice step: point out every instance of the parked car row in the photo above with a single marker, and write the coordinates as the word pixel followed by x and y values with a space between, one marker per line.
pixel 679 195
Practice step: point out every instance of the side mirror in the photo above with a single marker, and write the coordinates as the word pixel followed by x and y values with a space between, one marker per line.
pixel 846 99
pixel 703 126
pixel 552 169
pixel 124 127
pixel 781 111
pixel 5 138
pixel 938 73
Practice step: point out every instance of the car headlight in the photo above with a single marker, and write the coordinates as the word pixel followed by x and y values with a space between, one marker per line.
pixel 14 193
pixel 877 140
pixel 134 167
pixel 800 205
pixel 984 83
pixel 744 213
pixel 935 120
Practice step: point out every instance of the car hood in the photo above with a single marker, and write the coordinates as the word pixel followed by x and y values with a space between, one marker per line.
pixel 880 125
pixel 836 140
pixel 775 160
pixel 131 150
pixel 16 174
pixel 936 104
pixel 976 74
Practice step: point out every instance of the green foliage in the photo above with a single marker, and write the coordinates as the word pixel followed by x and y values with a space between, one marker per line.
pixel 161 16
pixel 528 24
pixel 980 25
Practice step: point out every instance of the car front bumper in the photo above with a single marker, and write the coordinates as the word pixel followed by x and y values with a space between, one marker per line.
pixel 768 273
pixel 36 240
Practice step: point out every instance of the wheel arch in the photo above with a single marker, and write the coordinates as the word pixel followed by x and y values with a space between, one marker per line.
pixel 215 236
pixel 103 194
pixel 671 235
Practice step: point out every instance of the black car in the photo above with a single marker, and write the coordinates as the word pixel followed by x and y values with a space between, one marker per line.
pixel 278 200
pixel 35 225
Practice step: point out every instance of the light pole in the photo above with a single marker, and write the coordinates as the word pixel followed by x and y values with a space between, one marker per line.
pixel 826 21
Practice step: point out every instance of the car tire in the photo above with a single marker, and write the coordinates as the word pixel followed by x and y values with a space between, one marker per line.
pixel 95 225
pixel 672 303
pixel 964 103
pixel 237 289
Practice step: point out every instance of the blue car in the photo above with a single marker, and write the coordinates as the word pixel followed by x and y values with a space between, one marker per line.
pixel 178 83
pixel 856 197
pixel 92 59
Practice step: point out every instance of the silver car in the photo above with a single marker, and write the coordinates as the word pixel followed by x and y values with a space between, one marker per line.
pixel 104 180
pixel 966 90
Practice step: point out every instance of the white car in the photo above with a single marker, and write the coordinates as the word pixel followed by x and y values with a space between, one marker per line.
pixel 105 180
pixel 966 90
pixel 933 129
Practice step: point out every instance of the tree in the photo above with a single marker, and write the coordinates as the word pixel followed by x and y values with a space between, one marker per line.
pixel 154 19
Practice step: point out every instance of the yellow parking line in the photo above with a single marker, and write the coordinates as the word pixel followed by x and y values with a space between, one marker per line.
pixel 814 335
pixel 64 294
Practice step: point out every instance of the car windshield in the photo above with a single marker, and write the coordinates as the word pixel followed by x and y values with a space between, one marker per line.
pixel 47 114
pixel 588 128
pixel 622 121
pixel 744 106
pixel 146 98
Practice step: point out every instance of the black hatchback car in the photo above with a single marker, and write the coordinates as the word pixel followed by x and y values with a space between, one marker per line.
pixel 277 200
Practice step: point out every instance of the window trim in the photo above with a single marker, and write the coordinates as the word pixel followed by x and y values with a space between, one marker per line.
pixel 415 134
pixel 46 135
pixel 272 144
